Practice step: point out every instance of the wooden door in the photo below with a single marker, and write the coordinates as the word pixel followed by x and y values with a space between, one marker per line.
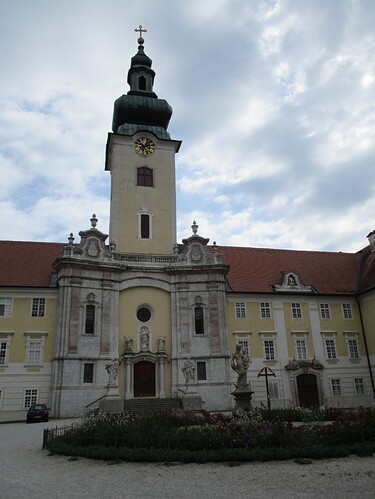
pixel 144 379
pixel 307 390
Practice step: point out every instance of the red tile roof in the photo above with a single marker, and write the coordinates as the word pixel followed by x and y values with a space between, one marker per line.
pixel 256 270
pixel 252 270
pixel 27 264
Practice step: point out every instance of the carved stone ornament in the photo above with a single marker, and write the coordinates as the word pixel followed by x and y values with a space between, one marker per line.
pixel 294 364
pixel 292 283
pixel 196 252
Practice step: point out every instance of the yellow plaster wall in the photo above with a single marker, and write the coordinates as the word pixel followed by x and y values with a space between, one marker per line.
pixel 253 323
pixel 160 323
pixel 21 322
pixel 339 324
pixel 127 198
pixel 297 325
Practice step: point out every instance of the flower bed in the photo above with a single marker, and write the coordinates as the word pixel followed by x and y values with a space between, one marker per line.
pixel 199 437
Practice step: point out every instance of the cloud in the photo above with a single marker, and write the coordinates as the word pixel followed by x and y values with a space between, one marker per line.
pixel 273 101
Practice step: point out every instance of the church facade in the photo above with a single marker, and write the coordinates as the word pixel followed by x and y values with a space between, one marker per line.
pixel 138 315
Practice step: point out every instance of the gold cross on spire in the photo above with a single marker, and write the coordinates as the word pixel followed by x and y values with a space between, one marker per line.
pixel 140 30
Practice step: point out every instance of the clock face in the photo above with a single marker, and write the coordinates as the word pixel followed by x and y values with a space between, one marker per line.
pixel 144 146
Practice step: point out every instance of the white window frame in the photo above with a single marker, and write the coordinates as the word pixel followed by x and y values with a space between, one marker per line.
pixel 144 211
pixel 296 310
pixel 5 338
pixel 265 310
pixel 240 309
pixel 325 311
pixel 347 311
pixel 273 389
pixel 353 348
pixel 330 349
pixel 38 307
pixel 336 387
pixel 301 348
pixel 33 338
pixel 269 349
pixel 30 397
pixel 7 303
pixel 359 382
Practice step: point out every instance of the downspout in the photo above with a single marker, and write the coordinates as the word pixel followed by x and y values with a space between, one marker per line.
pixel 366 347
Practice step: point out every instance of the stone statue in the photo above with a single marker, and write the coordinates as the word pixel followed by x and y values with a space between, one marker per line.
pixel 112 369
pixel 189 371
pixel 161 344
pixel 240 364
pixel 145 339
pixel 128 344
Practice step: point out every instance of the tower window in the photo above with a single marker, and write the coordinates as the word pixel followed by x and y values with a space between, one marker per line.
pixel 199 320
pixel 142 83
pixel 145 226
pixel 145 177
pixel 90 319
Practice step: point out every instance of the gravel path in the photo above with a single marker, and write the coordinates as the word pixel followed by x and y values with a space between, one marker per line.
pixel 27 471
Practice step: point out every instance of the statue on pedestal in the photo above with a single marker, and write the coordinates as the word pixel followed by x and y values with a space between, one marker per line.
pixel 242 393
pixel 112 369
pixel 240 364
pixel 189 371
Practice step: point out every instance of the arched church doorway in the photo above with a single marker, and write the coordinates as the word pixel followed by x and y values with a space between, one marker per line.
pixel 307 390
pixel 144 379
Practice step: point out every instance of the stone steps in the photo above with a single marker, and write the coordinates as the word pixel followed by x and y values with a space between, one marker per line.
pixel 152 404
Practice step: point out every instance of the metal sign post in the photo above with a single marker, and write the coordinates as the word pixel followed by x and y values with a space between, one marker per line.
pixel 267 371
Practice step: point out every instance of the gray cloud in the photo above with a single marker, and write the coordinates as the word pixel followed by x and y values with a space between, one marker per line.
pixel 273 101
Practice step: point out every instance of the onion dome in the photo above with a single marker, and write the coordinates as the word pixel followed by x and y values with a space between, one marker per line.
pixel 141 109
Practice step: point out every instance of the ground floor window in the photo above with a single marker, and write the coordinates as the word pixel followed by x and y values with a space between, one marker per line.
pixel 201 371
pixel 336 387
pixel 3 352
pixel 273 388
pixel 88 373
pixel 359 386
pixel 30 398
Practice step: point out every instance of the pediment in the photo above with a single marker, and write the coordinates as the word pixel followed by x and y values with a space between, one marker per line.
pixel 291 283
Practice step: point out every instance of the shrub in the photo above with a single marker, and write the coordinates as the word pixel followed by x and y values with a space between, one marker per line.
pixel 201 437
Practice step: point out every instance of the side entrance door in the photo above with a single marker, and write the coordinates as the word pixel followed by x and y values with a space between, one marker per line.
pixel 307 390
pixel 144 379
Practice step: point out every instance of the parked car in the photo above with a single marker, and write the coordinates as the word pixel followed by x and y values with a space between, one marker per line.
pixel 37 412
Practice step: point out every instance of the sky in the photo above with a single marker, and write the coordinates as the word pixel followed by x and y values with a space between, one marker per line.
pixel 274 101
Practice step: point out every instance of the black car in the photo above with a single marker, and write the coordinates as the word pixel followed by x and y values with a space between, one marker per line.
pixel 37 412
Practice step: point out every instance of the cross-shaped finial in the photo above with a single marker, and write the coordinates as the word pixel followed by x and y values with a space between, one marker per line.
pixel 140 30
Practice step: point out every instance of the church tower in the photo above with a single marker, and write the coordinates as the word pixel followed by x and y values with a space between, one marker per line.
pixel 141 158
